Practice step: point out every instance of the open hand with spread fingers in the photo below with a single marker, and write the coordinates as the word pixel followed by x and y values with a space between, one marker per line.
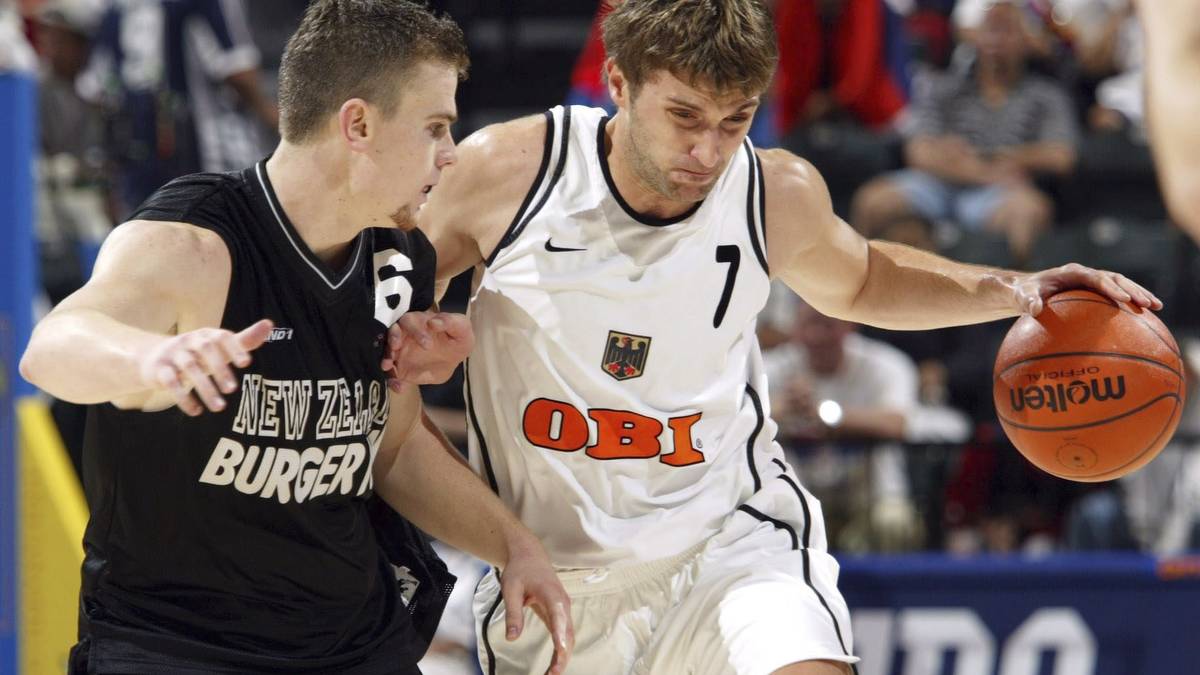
pixel 1030 291
pixel 195 366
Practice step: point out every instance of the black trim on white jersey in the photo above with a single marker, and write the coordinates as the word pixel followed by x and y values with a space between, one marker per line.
pixel 754 181
pixel 483 451
pixel 642 218
pixel 522 218
pixel 487 620
pixel 780 525
pixel 762 211
pixel 547 151
pixel 804 540
pixel 800 542
pixel 758 425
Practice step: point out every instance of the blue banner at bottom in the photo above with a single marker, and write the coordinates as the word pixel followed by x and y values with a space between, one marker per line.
pixel 1110 614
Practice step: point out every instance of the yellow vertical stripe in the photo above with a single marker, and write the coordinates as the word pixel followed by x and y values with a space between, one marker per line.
pixel 53 514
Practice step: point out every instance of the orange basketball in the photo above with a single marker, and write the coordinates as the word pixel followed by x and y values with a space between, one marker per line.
pixel 1091 389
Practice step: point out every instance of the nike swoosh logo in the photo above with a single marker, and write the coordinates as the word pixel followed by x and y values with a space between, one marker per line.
pixel 558 249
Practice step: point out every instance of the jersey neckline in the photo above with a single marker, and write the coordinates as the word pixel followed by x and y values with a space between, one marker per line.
pixel 640 217
pixel 328 277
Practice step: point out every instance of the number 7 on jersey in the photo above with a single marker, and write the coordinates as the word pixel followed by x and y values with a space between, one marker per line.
pixel 732 255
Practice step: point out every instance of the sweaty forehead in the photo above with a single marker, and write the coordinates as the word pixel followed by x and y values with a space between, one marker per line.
pixel 672 87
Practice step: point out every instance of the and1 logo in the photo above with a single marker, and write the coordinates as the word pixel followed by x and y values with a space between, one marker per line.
pixel 625 355
pixel 393 291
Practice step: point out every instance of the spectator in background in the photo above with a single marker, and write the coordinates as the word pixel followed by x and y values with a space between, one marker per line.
pixel 1039 23
pixel 979 140
pixel 1108 42
pixel 73 208
pixel 587 82
pixel 839 58
pixel 182 79
pixel 841 87
pixel 1157 506
pixel 833 390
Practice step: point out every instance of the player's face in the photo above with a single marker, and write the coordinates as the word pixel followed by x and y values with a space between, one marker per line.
pixel 681 137
pixel 415 142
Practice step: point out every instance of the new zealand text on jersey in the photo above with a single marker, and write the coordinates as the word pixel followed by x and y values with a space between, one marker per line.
pixel 280 409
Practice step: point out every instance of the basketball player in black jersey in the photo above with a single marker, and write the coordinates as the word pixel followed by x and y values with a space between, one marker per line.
pixel 1173 103
pixel 229 343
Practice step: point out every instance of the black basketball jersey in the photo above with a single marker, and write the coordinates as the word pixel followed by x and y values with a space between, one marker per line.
pixel 243 537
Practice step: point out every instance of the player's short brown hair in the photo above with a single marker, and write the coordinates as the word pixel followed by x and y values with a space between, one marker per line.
pixel 725 45
pixel 348 49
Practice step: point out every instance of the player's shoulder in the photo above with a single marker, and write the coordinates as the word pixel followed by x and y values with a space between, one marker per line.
pixel 165 252
pixel 187 195
pixel 505 151
pixel 166 237
pixel 792 181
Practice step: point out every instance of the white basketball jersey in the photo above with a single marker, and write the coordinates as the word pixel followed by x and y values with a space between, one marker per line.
pixel 616 395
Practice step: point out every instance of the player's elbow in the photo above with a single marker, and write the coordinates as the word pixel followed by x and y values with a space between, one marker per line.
pixel 41 366
pixel 35 363
pixel 28 367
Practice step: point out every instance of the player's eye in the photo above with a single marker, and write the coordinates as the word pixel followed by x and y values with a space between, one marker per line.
pixel 438 130
pixel 686 115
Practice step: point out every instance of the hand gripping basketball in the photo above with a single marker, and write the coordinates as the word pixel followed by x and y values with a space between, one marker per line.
pixel 1091 389
pixel 196 365
pixel 1030 292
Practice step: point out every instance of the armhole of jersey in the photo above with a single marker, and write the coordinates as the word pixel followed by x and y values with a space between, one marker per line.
pixel 555 154
pixel 756 206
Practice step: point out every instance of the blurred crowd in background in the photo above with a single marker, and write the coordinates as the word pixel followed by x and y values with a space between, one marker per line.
pixel 1000 133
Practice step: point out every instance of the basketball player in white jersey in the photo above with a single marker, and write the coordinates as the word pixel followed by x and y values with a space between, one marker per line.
pixel 616 397
pixel 1173 103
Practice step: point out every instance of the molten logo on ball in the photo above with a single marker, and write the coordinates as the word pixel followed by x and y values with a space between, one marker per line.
pixel 1059 397
pixel 1090 389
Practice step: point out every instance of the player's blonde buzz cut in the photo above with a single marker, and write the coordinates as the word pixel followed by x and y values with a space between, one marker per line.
pixel 347 49
pixel 718 45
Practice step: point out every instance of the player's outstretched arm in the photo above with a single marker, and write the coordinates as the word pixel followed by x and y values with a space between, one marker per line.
pixel 893 286
pixel 417 475
pixel 478 196
pixel 1173 102
pixel 133 334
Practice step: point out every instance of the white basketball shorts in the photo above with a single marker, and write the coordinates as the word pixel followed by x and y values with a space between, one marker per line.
pixel 758 595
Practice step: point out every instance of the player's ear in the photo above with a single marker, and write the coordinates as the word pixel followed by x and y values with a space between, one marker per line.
pixel 353 118
pixel 618 86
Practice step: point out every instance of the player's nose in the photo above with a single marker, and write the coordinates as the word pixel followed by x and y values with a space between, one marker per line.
pixel 447 154
pixel 706 149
